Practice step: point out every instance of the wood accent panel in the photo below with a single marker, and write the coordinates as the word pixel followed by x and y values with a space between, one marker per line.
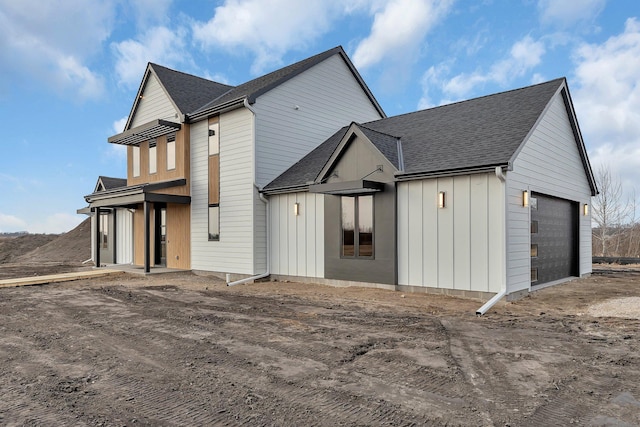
pixel 182 169
pixel 178 236
pixel 214 179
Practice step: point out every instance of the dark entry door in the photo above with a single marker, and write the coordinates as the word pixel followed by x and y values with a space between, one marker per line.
pixel 554 239
pixel 160 249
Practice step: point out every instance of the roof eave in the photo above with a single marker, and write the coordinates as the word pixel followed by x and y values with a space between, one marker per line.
pixel 217 109
pixel 407 176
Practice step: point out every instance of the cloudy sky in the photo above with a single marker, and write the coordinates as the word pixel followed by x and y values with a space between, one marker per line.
pixel 70 70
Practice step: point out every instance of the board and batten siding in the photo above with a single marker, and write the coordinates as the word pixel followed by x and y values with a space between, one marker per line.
pixel 124 236
pixel 234 252
pixel 549 163
pixel 154 104
pixel 298 115
pixel 457 247
pixel 297 242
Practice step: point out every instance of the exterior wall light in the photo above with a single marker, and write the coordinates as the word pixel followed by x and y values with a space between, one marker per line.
pixel 525 198
pixel 442 200
pixel 585 210
pixel 296 209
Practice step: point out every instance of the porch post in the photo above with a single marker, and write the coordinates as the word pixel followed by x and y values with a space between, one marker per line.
pixel 98 243
pixel 147 251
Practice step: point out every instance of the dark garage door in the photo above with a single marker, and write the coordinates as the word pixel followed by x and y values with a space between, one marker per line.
pixel 554 239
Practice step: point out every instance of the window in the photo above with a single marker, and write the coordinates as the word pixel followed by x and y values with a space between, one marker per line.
pixel 214 222
pixel 153 157
pixel 534 227
pixel 171 151
pixel 214 139
pixel 104 231
pixel 357 226
pixel 534 274
pixel 534 250
pixel 136 161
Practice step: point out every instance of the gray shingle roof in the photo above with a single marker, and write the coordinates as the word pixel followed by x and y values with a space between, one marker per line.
pixel 480 132
pixel 256 87
pixel 188 91
pixel 110 183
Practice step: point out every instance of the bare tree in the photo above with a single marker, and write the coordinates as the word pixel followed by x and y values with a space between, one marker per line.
pixel 611 214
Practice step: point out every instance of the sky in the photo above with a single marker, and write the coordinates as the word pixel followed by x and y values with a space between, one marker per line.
pixel 70 70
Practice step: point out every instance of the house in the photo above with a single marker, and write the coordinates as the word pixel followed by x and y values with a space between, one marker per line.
pixel 199 152
pixel 483 197
pixel 299 175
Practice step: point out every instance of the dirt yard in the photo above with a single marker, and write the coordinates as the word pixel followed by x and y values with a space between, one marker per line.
pixel 179 349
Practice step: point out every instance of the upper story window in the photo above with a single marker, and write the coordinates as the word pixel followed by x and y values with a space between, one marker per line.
pixel 153 157
pixel 214 139
pixel 136 161
pixel 171 151
pixel 357 226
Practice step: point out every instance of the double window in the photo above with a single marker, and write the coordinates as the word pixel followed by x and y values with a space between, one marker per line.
pixel 357 226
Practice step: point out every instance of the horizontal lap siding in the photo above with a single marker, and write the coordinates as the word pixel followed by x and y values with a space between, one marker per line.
pixel 328 97
pixel 234 253
pixel 297 242
pixel 458 247
pixel 549 163
pixel 154 104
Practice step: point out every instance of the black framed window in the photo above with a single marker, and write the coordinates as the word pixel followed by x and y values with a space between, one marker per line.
pixel 214 222
pixel 357 226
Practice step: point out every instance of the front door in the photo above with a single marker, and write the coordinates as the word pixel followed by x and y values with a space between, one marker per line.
pixel 160 258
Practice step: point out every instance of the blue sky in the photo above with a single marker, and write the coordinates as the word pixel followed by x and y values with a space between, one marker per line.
pixel 70 70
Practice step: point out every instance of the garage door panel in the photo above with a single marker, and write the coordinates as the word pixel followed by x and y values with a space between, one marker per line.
pixel 553 239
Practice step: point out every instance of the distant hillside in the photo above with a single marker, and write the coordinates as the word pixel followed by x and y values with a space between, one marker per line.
pixel 72 247
pixel 14 247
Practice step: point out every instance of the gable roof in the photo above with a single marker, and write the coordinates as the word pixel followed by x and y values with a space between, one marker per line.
pixel 188 91
pixel 256 87
pixel 108 183
pixel 480 133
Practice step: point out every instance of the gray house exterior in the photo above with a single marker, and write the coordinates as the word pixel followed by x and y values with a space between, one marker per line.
pixel 482 197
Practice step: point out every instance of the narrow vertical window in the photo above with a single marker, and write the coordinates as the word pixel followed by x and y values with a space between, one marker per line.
pixel 214 139
pixel 357 226
pixel 153 157
pixel 214 222
pixel 171 151
pixel 348 226
pixel 365 226
pixel 104 231
pixel 136 161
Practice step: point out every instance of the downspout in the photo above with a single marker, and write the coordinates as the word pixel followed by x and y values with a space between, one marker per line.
pixel 263 199
pixel 497 297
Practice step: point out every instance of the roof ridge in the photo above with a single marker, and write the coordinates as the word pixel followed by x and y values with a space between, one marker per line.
pixel 153 64
pixel 377 131
pixel 471 99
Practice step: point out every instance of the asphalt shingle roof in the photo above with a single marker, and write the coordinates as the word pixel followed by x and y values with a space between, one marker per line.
pixel 480 132
pixel 188 91
pixel 110 183
pixel 254 88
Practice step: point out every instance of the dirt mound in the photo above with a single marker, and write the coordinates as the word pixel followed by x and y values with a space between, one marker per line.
pixel 72 247
pixel 12 248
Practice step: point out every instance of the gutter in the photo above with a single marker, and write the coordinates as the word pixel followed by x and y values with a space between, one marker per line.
pixel 266 203
pixel 497 297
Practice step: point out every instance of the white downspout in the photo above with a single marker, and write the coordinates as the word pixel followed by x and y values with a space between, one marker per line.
pixel 497 297
pixel 266 204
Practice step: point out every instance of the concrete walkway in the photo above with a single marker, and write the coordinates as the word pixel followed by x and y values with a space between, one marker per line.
pixel 54 278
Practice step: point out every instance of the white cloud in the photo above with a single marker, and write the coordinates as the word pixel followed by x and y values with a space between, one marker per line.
pixel 51 41
pixel 157 44
pixel 564 14
pixel 118 125
pixel 269 29
pixel 525 54
pixel 607 100
pixel 399 28
pixel 11 223
pixel 56 223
